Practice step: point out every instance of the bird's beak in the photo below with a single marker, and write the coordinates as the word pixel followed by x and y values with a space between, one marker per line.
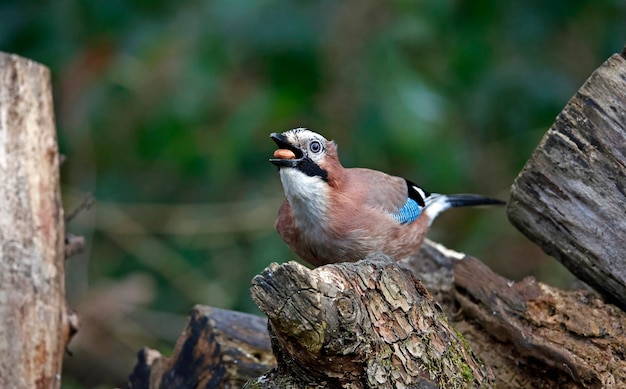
pixel 287 154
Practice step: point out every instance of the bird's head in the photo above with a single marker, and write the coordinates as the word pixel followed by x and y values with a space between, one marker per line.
pixel 307 152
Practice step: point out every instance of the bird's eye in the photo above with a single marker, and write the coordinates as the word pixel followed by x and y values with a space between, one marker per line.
pixel 315 147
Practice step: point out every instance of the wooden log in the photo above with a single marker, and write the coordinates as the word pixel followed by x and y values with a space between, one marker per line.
pixel 369 324
pixel 434 266
pixel 570 198
pixel 34 325
pixel 527 333
pixel 533 335
pixel 218 349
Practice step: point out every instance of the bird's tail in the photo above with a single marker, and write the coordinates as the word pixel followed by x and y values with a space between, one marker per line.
pixel 436 203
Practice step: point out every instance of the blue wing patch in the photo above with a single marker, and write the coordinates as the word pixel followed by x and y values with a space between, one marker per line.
pixel 408 213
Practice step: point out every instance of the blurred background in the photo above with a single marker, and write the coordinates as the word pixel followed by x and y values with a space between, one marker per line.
pixel 164 109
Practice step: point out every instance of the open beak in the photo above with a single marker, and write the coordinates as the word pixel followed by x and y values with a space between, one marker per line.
pixel 287 155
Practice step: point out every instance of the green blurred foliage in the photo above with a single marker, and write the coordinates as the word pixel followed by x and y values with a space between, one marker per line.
pixel 164 110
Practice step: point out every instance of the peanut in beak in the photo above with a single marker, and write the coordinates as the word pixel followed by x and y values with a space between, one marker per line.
pixel 284 154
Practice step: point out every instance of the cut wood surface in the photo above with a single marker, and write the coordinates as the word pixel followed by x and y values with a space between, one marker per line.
pixel 570 198
pixel 34 327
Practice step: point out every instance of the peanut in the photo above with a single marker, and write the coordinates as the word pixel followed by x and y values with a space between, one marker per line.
pixel 284 154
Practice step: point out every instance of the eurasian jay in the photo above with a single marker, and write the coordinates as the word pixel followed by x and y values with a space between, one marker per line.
pixel 336 214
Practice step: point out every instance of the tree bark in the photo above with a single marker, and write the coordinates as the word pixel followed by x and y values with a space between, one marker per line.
pixel 527 334
pixel 533 335
pixel 369 324
pixel 34 325
pixel 218 349
pixel 571 195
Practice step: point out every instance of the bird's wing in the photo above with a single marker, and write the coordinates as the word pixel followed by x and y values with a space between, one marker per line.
pixel 414 205
pixel 400 198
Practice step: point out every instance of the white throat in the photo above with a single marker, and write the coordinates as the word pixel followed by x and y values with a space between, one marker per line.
pixel 308 197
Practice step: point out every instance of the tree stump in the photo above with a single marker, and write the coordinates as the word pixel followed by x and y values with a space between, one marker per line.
pixel 369 324
pixel 34 326
pixel 570 198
